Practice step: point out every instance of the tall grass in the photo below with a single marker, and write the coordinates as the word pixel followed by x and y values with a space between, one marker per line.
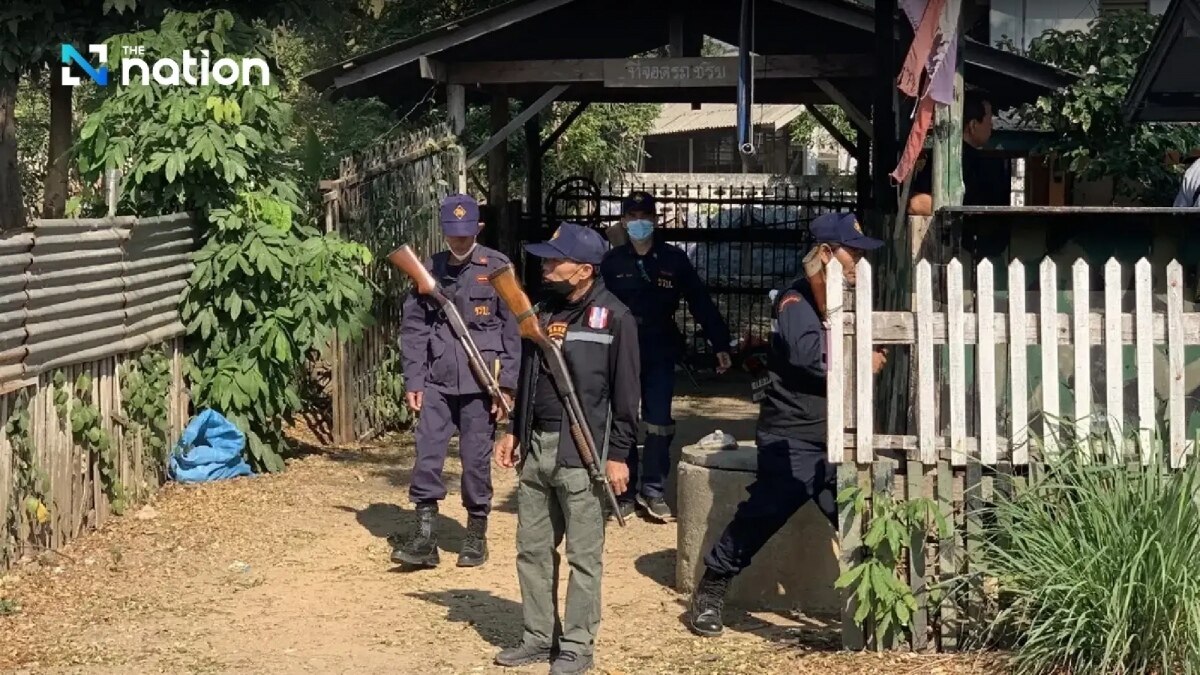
pixel 1099 568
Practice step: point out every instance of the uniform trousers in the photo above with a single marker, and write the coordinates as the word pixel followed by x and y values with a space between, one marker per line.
pixel 556 502
pixel 653 464
pixel 790 473
pixel 442 415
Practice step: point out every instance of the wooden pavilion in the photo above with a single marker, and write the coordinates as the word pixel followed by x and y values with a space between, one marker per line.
pixel 590 51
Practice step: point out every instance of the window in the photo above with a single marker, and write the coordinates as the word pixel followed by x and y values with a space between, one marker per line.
pixel 1108 6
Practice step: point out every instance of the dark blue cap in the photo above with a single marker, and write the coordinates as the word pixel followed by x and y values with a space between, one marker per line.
pixel 572 242
pixel 460 216
pixel 638 201
pixel 841 229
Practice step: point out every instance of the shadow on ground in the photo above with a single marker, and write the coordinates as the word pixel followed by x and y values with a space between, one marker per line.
pixel 391 522
pixel 658 567
pixel 496 619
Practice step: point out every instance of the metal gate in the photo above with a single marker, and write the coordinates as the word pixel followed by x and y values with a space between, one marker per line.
pixel 383 198
pixel 745 240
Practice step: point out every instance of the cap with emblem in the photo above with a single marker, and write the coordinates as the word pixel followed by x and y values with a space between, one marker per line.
pixel 638 201
pixel 572 242
pixel 460 216
pixel 841 229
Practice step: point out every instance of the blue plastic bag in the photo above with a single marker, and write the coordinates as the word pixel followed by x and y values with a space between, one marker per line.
pixel 210 449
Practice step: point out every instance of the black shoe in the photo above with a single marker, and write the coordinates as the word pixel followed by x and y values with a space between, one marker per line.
pixel 627 509
pixel 704 613
pixel 523 655
pixel 570 662
pixel 474 547
pixel 420 550
pixel 656 508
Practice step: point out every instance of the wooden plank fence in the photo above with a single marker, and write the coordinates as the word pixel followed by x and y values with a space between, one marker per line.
pixel 83 297
pixel 1004 381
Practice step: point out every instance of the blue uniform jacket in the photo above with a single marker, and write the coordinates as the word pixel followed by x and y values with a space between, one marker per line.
pixel 432 356
pixel 652 291
pixel 793 401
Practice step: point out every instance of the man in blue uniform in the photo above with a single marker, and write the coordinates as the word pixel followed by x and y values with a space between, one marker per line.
pixel 440 386
pixel 792 467
pixel 651 277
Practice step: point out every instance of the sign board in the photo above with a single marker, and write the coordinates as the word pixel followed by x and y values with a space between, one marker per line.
pixel 681 72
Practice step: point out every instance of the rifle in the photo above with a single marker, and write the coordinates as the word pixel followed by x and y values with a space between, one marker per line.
pixel 507 285
pixel 406 261
pixel 815 272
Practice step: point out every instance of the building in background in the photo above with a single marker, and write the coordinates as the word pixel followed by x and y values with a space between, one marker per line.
pixel 686 140
pixel 1023 20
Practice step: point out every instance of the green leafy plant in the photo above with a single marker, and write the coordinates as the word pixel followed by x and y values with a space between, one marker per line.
pixel 885 601
pixel 145 394
pixel 1098 566
pixel 268 289
pixel 31 485
pixel 83 417
pixel 387 399
pixel 1087 116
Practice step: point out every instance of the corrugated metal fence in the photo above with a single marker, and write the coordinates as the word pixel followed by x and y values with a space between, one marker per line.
pixel 82 297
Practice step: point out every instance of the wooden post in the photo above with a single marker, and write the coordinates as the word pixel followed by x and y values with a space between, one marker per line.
pixel 883 117
pixel 948 140
pixel 456 105
pixel 862 172
pixel 533 182
pixel 498 172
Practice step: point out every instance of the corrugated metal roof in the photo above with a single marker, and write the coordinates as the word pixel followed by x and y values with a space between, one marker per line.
pixel 677 118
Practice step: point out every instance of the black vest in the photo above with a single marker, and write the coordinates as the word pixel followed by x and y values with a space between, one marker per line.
pixel 794 401
pixel 586 351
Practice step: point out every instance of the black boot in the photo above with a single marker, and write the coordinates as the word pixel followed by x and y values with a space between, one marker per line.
pixel 420 550
pixel 704 614
pixel 474 547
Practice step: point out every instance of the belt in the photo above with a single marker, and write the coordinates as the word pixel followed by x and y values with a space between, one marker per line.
pixel 547 426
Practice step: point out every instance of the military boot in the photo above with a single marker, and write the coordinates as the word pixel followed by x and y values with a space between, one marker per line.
pixel 420 549
pixel 474 547
pixel 704 614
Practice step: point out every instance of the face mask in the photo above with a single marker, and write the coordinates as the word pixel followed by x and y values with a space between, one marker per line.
pixel 559 289
pixel 639 229
pixel 465 256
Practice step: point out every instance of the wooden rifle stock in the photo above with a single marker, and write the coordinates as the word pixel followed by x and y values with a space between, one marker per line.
pixel 508 287
pixel 406 260
pixel 815 272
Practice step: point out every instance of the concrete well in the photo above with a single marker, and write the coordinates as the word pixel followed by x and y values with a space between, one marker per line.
pixel 794 571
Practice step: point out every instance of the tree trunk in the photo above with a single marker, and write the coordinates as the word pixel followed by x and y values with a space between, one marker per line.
pixel 54 201
pixel 12 207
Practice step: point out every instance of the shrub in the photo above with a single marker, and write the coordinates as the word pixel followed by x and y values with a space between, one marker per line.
pixel 1099 568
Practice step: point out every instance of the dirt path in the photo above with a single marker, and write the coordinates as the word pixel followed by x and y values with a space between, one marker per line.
pixel 290 573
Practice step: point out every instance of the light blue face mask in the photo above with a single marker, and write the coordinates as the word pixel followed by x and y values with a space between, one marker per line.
pixel 639 230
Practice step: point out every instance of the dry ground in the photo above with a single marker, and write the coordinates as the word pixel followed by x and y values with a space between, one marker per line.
pixel 290 574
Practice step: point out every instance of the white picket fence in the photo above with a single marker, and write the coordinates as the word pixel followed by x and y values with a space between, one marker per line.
pixel 969 361
pixel 856 332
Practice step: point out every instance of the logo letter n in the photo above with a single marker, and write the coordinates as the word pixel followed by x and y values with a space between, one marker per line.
pixel 97 75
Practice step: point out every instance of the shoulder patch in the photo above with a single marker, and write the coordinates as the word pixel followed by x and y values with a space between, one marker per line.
pixel 557 331
pixel 598 318
pixel 789 299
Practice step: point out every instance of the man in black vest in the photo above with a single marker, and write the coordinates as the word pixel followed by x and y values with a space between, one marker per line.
pixel 556 497
pixel 792 467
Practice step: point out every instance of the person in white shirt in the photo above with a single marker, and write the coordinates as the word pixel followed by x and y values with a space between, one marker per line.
pixel 1189 191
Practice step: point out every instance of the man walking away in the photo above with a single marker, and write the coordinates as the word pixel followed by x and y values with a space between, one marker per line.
pixel 651 277
pixel 556 498
pixel 792 467
pixel 440 386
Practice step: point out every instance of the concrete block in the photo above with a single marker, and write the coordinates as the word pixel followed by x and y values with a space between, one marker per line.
pixel 794 571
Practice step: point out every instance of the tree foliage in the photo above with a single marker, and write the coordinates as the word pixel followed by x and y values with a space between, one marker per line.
pixel 1090 133
pixel 268 288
